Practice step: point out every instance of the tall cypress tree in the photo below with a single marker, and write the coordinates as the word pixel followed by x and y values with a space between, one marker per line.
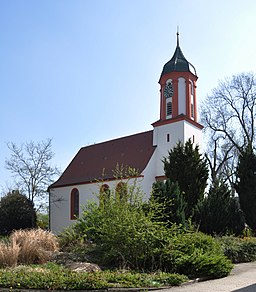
pixel 171 203
pixel 186 166
pixel 220 213
pixel 246 186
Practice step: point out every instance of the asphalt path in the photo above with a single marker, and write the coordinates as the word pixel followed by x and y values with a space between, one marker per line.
pixel 241 279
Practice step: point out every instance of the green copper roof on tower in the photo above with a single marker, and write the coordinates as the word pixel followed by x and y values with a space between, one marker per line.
pixel 178 62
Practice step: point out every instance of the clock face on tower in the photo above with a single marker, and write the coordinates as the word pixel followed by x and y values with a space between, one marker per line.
pixel 168 90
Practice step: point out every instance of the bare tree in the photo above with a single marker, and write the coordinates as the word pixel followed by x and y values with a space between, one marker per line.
pixel 228 115
pixel 30 165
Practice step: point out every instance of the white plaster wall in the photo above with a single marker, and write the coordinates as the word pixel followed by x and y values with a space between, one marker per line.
pixel 190 131
pixel 149 174
pixel 181 96
pixel 179 131
pixel 176 132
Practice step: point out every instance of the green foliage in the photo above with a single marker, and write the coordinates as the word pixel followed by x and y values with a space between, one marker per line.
pixel 220 213
pixel 70 240
pixel 16 212
pixel 123 234
pixel 239 250
pixel 42 221
pixel 170 203
pixel 196 255
pixel 54 277
pixel 246 186
pixel 186 166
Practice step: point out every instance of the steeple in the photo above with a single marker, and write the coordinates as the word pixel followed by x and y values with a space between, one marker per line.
pixel 178 62
pixel 178 106
pixel 178 89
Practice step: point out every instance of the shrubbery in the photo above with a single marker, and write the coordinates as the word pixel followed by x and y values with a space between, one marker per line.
pixel 124 235
pixel 239 250
pixel 16 212
pixel 196 255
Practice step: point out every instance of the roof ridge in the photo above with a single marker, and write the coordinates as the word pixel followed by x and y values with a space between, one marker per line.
pixel 115 139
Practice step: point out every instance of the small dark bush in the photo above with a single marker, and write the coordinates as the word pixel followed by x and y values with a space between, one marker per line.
pixel 16 212
pixel 239 250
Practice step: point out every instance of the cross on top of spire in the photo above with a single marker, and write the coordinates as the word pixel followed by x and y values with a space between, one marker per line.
pixel 178 43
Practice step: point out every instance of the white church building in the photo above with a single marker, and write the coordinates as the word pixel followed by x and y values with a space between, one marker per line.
pixel 142 151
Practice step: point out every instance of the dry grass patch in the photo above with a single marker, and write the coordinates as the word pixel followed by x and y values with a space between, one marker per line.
pixel 36 245
pixel 9 254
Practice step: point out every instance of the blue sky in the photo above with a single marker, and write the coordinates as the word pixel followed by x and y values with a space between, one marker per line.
pixel 86 71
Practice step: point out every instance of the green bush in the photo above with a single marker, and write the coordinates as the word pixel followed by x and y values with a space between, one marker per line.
pixel 124 236
pixel 196 255
pixel 16 212
pixel 54 277
pixel 239 250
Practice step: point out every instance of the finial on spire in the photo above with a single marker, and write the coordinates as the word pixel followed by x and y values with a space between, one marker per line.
pixel 178 44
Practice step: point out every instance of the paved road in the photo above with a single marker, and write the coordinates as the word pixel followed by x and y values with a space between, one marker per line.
pixel 241 279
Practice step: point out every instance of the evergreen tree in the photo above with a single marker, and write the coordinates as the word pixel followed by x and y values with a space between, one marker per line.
pixel 186 166
pixel 16 212
pixel 170 202
pixel 220 213
pixel 246 186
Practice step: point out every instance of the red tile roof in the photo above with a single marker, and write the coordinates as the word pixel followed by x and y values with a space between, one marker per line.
pixel 90 162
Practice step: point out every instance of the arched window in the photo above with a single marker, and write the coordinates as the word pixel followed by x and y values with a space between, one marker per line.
pixel 104 194
pixel 74 204
pixel 121 191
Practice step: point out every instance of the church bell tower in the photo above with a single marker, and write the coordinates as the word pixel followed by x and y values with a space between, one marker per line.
pixel 178 106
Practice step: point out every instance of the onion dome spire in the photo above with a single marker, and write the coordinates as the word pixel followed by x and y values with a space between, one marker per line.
pixel 178 62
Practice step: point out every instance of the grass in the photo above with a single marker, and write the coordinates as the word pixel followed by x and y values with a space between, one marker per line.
pixel 28 247
pixel 9 253
pixel 54 277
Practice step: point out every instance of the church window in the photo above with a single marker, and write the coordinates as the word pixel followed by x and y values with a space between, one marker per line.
pixel 121 191
pixel 169 108
pixel 104 194
pixel 74 198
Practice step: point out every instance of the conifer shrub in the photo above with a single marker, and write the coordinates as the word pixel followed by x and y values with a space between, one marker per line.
pixel 219 213
pixel 196 255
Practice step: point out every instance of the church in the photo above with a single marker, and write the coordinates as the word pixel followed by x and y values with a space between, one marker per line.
pixel 142 151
